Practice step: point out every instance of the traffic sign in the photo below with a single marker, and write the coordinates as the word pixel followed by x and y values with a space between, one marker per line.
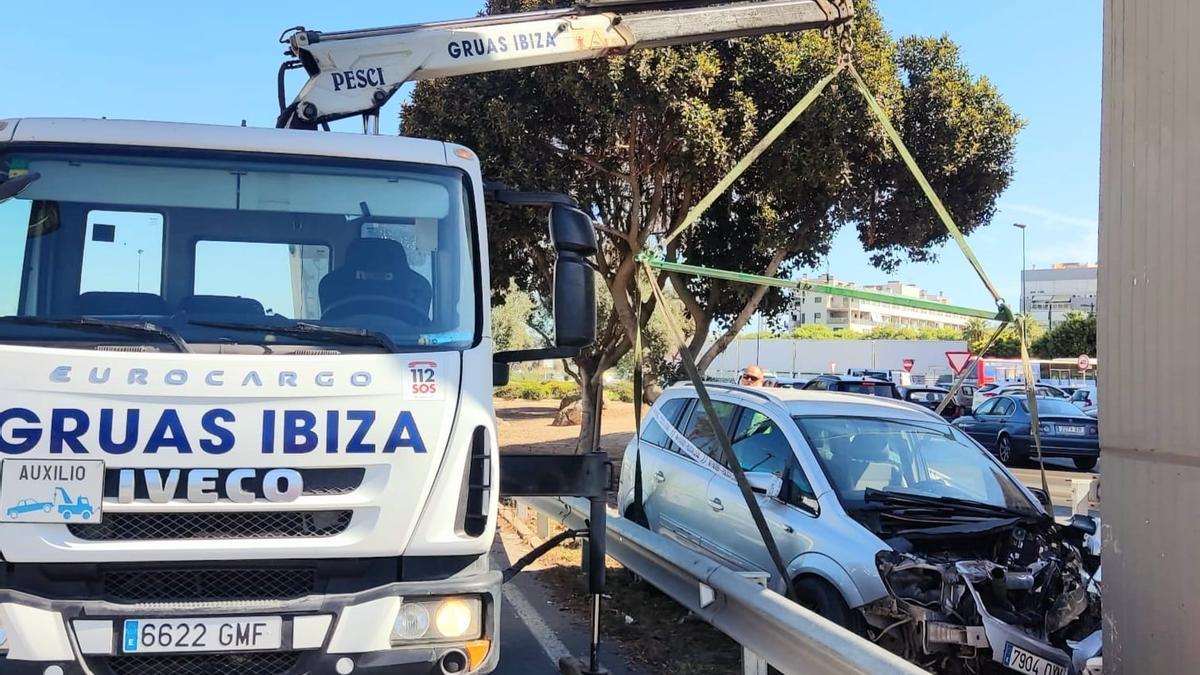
pixel 1083 363
pixel 958 361
pixel 908 365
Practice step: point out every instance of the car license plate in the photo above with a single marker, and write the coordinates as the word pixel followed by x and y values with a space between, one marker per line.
pixel 209 634
pixel 1023 662
pixel 51 490
pixel 1068 429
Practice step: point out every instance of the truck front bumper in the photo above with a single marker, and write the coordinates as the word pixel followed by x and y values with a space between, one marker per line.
pixel 343 633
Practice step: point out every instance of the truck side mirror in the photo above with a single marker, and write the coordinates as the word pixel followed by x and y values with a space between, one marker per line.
pixel 574 238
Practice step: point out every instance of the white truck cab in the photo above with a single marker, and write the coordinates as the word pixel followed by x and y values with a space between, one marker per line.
pixel 245 348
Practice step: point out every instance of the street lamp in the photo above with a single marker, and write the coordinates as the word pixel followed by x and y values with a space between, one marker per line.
pixel 1021 227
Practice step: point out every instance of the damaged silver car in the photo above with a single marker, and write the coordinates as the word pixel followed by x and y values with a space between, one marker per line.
pixel 891 522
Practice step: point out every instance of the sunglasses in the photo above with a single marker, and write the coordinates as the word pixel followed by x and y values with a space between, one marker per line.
pixel 752 378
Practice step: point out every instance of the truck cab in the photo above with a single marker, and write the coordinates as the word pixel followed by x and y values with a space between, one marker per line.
pixel 247 350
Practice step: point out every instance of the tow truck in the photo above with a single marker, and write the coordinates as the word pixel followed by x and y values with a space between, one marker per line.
pixel 264 357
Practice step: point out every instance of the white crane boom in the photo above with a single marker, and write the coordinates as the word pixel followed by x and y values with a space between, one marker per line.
pixel 356 72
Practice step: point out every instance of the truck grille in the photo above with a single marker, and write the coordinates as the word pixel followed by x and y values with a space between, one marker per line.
pixel 208 585
pixel 236 525
pixel 247 663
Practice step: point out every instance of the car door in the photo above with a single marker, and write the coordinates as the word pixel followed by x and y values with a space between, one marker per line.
pixel 762 444
pixel 975 424
pixel 655 449
pixel 995 420
pixel 683 476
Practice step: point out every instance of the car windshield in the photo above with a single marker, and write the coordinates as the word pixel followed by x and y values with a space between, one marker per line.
pixel 907 457
pixel 1051 406
pixel 871 388
pixel 222 250
pixel 926 396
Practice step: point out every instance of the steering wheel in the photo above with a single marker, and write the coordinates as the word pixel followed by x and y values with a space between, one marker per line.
pixel 397 308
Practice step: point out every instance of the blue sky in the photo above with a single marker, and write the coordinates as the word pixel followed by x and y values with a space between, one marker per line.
pixel 215 62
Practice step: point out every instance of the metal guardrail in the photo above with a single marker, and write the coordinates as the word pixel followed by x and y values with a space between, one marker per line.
pixel 789 637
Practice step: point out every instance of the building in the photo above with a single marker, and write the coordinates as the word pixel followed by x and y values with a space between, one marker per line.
pixel 840 313
pixel 1053 293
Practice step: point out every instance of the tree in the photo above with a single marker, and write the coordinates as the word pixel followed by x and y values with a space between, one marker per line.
pixel 1008 345
pixel 510 321
pixel 637 140
pixel 819 331
pixel 1071 337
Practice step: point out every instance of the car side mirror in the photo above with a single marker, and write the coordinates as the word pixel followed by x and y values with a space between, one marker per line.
pixel 1043 498
pixel 764 483
pixel 1085 524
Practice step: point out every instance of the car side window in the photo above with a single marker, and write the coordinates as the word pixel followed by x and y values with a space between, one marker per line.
pixel 1004 407
pixel 760 444
pixel 817 385
pixel 987 407
pixel 700 431
pixel 652 431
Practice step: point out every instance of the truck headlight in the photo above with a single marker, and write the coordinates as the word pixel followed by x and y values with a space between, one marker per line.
pixel 454 618
pixel 434 619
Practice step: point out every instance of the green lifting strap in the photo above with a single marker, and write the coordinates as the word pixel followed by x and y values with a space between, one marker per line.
pixel 828 289
pixel 930 194
pixel 736 172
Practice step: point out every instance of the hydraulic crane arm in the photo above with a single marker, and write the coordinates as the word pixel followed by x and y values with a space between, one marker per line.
pixel 356 72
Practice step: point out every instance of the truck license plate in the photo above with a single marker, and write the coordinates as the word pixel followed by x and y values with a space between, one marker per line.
pixel 1023 662
pixel 210 634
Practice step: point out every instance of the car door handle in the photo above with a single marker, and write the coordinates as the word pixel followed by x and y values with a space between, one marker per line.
pixel 716 504
pixel 789 529
pixel 660 476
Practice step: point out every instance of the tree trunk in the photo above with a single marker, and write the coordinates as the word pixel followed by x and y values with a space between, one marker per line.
pixel 591 405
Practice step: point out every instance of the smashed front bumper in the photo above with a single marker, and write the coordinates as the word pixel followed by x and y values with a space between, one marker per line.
pixel 321 633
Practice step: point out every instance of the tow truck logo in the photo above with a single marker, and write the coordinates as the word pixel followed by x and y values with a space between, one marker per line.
pixel 35 491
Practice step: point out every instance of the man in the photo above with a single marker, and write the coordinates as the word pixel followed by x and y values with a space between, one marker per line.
pixel 752 376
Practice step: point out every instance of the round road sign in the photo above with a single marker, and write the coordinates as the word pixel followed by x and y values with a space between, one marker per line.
pixel 1083 362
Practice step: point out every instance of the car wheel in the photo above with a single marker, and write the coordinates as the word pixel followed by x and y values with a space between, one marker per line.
pixel 47 508
pixel 87 515
pixel 1085 463
pixel 1004 451
pixel 66 515
pixel 822 598
pixel 635 515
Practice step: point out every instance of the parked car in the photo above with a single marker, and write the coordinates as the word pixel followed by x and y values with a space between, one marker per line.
pixel 790 382
pixel 853 385
pixel 869 373
pixel 993 389
pixel 890 521
pixel 1086 397
pixel 931 398
pixel 1003 425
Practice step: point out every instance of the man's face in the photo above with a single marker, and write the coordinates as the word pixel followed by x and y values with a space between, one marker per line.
pixel 752 377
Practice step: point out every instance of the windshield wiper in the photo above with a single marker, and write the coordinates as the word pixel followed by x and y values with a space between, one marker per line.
pixel 909 499
pixel 103 326
pixel 312 331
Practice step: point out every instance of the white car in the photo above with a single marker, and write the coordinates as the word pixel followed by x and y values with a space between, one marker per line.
pixel 890 521
pixel 991 390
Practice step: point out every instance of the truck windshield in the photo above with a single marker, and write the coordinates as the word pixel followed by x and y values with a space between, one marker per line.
pixel 225 250
pixel 907 457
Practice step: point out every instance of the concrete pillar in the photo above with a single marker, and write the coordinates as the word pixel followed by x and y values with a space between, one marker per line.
pixel 1149 334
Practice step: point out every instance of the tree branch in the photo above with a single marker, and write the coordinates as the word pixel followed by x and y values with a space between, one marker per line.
pixel 743 317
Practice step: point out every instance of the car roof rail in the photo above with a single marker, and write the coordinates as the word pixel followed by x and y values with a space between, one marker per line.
pixel 733 387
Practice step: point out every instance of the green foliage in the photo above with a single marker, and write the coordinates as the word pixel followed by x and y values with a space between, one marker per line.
pixel 1008 345
pixel 1071 337
pixel 819 331
pixel 510 321
pixel 536 390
